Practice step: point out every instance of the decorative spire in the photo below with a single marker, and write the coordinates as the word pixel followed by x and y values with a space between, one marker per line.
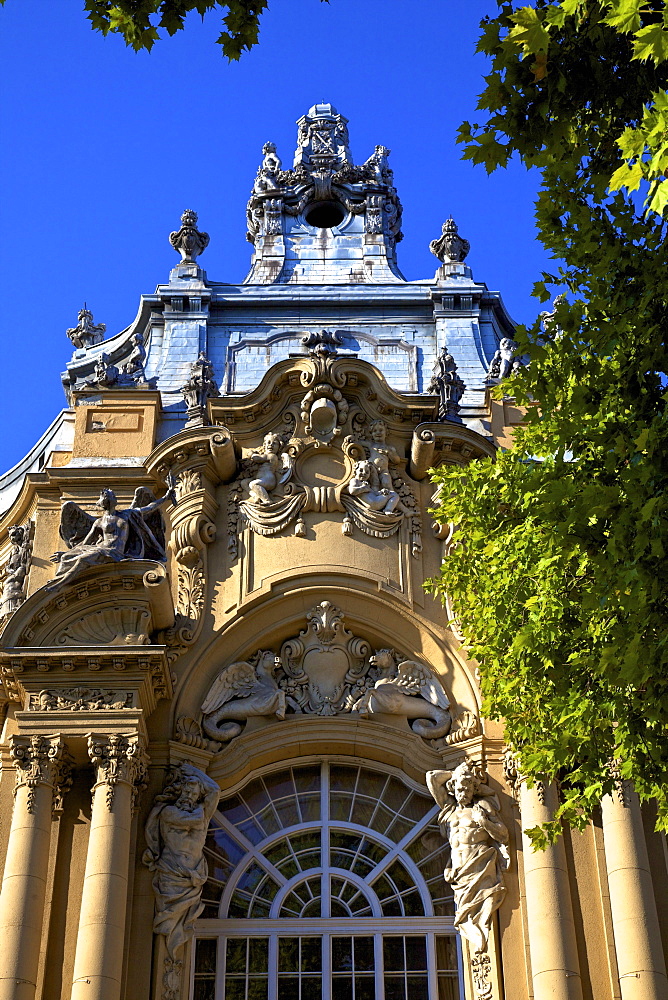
pixel 86 333
pixel 447 385
pixel 199 387
pixel 450 248
pixel 189 242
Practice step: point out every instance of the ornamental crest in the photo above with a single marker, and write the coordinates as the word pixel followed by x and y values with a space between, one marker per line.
pixel 326 670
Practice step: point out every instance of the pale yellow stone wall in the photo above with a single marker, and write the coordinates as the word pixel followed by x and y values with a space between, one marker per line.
pixel 257 600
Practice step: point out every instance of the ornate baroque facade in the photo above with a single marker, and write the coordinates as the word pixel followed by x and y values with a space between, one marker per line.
pixel 243 750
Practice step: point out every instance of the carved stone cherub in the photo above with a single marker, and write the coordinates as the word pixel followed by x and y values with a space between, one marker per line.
pixel 134 366
pixel 381 454
pixel 243 690
pixel 469 820
pixel 136 533
pixel 365 486
pixel 410 689
pixel 504 362
pixel 175 833
pixel 273 468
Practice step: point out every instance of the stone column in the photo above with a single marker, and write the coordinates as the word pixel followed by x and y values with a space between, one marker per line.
pixel 42 772
pixel 640 961
pixel 120 764
pixel 555 967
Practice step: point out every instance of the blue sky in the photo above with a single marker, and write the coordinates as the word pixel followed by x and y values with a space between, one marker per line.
pixel 103 148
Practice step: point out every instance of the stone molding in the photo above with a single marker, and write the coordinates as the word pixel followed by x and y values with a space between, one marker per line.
pixel 118 758
pixel 195 461
pixel 41 760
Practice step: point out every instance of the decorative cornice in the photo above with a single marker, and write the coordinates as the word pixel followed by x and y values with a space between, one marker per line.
pixel 41 760
pixel 118 759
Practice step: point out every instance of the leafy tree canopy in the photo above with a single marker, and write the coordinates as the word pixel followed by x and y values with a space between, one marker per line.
pixel 561 578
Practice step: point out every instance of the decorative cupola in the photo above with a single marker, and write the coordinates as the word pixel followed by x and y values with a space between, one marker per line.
pixel 325 220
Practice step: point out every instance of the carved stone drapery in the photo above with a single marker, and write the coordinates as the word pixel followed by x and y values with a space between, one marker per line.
pixel 15 570
pixel 195 461
pixel 469 820
pixel 118 758
pixel 41 760
pixel 326 670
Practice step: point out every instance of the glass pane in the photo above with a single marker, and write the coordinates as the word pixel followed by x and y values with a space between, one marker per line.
pixel 205 989
pixel 288 988
pixel 342 954
pixel 311 954
pixel 372 783
pixel 236 955
pixel 364 958
pixel 395 794
pixel 416 953
pixel 394 988
pixel 255 796
pixel 446 953
pixel 342 778
pixel 280 785
pixel 205 956
pixel 307 779
pixel 365 988
pixel 258 954
pixel 418 988
pixel 340 806
pixel 338 909
pixel 342 988
pixel 235 989
pixel 393 954
pixel 311 987
pixel 257 988
pixel 448 988
pixel 234 810
pixel 413 904
pixel 288 954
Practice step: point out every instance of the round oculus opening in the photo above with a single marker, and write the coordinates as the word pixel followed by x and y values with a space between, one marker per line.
pixel 325 215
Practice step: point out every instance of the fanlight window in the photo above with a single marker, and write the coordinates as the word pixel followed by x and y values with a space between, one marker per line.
pixel 326 883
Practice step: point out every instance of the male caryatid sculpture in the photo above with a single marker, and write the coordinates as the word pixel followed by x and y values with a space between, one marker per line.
pixel 175 833
pixel 135 533
pixel 469 820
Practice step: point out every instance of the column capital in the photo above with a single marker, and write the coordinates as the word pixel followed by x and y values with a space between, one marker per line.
pixel 41 760
pixel 118 759
pixel 516 778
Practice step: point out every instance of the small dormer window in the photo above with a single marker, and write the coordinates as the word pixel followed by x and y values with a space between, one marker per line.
pixel 325 214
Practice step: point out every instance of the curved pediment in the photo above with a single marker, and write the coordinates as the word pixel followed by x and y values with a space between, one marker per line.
pixel 119 604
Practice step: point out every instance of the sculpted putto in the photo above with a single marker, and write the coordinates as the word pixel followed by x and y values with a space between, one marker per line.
pixel 243 690
pixel 504 362
pixel 409 689
pixel 272 468
pixel 175 833
pixel 366 486
pixel 136 533
pixel 469 820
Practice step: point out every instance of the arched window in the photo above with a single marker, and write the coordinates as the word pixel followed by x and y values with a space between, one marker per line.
pixel 326 883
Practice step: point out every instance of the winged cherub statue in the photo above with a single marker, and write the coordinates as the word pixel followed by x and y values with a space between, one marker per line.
pixel 242 690
pixel 408 688
pixel 469 820
pixel 136 533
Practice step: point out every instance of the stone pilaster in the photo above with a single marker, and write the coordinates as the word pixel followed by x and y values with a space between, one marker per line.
pixel 120 773
pixel 555 967
pixel 42 775
pixel 640 961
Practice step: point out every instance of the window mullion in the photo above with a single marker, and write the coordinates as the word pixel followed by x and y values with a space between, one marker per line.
pixel 325 888
pixel 326 966
pixel 378 963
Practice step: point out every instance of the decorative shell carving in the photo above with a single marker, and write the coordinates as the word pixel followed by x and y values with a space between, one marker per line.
pixel 125 626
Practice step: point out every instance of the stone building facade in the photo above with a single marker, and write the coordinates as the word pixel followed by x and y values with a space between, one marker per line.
pixel 243 754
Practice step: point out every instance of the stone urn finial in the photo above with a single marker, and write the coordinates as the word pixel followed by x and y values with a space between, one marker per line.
pixel 188 241
pixel 450 247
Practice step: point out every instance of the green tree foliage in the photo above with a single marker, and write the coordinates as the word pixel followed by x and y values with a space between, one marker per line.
pixel 560 578
pixel 139 21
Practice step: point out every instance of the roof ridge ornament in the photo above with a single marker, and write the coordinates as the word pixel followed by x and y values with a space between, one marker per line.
pixel 189 241
pixel 450 247
pixel 86 333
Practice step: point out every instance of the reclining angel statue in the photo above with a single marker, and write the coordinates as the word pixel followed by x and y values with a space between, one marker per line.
pixel 116 535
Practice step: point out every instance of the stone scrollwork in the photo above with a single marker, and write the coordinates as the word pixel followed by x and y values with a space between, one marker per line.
pixel 114 536
pixel 326 670
pixel 469 820
pixel 243 690
pixel 118 758
pixel 41 760
pixel 175 834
